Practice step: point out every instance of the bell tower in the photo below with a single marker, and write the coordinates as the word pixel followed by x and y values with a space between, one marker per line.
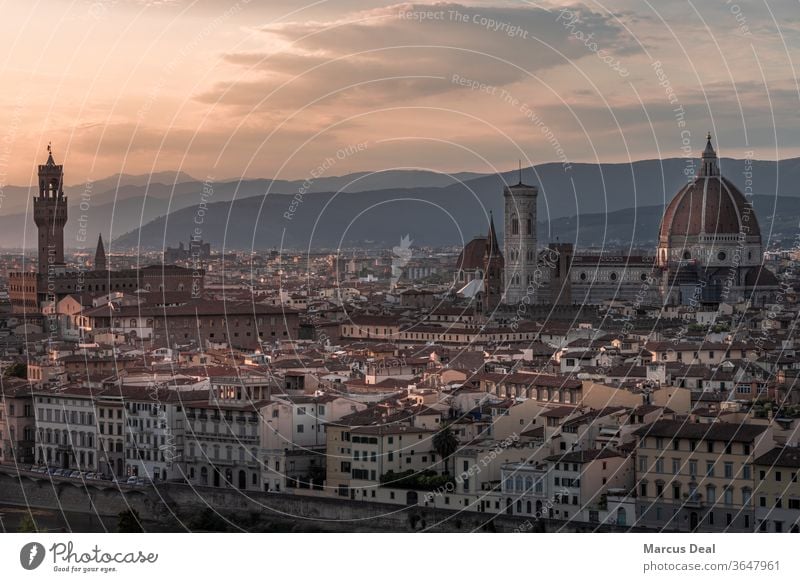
pixel 520 241
pixel 50 214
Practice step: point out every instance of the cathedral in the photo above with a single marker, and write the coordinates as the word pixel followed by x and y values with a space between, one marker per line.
pixel 31 291
pixel 709 251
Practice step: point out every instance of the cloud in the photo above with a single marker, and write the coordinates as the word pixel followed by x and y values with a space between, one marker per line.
pixel 404 52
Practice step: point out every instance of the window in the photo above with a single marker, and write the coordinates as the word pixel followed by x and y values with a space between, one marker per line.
pixel 709 468
pixel 300 428
pixel 728 496
pixel 729 470
pixel 643 464
pixel 777 475
pixel 693 468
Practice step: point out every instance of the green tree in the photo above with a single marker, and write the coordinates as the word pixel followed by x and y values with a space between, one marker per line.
pixel 129 522
pixel 18 370
pixel 27 524
pixel 445 444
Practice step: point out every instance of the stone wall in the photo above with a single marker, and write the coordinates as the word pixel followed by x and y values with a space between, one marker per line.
pixel 174 507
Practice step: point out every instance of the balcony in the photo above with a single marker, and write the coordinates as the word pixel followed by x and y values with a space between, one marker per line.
pixel 693 499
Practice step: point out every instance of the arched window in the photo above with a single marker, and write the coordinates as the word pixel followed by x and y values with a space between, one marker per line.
pixel 528 486
pixel 530 225
pixel 518 483
pixel 514 224
pixel 133 323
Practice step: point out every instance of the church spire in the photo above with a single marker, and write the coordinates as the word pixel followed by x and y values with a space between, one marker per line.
pixel 493 247
pixel 100 255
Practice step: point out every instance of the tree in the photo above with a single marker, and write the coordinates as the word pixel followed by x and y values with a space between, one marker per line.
pixel 129 522
pixel 27 524
pixel 445 443
pixel 18 370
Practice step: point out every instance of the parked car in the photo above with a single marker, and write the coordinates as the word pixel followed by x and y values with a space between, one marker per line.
pixel 132 480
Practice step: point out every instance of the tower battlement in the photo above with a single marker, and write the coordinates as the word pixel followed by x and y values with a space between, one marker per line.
pixel 50 214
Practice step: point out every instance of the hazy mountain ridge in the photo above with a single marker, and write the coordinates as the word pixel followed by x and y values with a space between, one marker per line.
pixel 439 214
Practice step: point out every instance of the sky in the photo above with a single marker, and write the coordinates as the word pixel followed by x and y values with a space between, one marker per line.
pixel 223 89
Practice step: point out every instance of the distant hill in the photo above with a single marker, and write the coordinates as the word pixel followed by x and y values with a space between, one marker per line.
pixel 624 201
pixel 439 218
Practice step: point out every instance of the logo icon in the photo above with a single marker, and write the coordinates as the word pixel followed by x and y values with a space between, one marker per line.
pixel 31 555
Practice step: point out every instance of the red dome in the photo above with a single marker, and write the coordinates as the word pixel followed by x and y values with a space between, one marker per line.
pixel 709 205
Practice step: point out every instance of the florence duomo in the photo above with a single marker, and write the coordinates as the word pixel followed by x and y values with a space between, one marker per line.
pixel 709 250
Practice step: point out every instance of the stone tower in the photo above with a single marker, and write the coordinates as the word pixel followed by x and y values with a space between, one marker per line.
pixel 50 214
pixel 493 271
pixel 519 244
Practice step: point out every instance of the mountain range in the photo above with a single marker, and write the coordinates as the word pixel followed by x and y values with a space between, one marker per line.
pixel 589 204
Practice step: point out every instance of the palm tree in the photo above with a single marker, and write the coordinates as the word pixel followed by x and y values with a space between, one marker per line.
pixel 445 443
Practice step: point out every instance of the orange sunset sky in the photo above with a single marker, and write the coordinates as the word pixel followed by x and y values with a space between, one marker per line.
pixel 271 88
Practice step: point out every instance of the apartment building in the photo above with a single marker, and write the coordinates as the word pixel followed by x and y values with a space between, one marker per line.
pixel 221 436
pixel 698 477
pixel 777 491
pixel 382 455
pixel 579 480
pixel 17 423
pixel 66 431
pixel 294 438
